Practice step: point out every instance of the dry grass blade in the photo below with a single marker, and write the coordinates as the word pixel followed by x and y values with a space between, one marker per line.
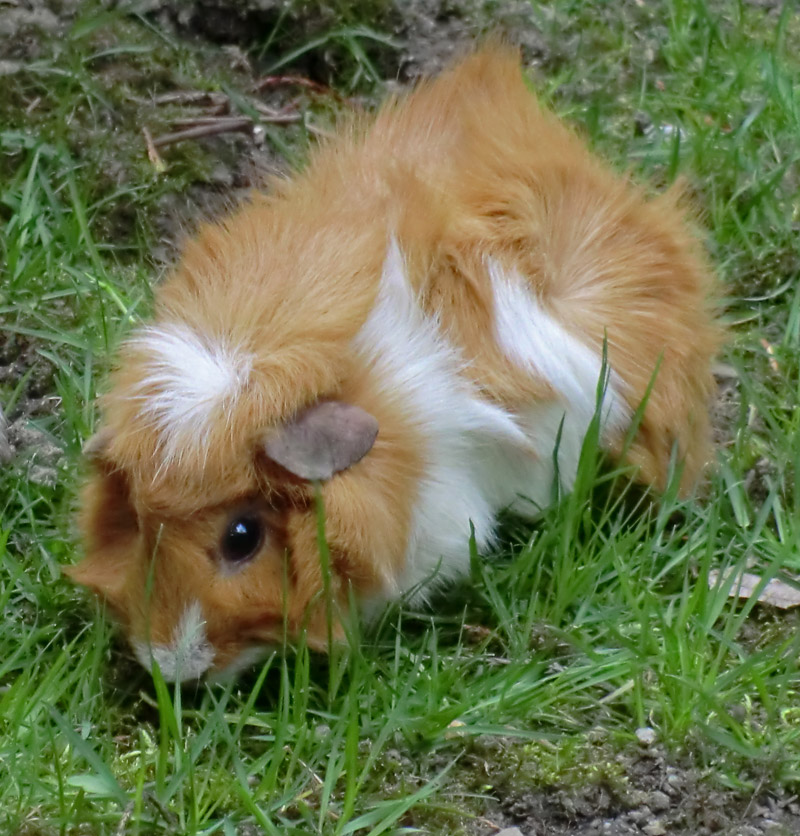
pixel 192 97
pixel 271 81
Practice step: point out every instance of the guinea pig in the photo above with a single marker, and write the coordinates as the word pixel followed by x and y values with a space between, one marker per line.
pixel 415 327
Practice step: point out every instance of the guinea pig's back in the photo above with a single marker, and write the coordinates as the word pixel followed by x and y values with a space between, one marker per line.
pixel 557 260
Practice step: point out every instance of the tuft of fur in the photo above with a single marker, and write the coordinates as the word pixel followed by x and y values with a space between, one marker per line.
pixel 189 386
pixel 188 655
pixel 454 267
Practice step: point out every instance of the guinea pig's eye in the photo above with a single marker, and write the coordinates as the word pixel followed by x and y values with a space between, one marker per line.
pixel 242 538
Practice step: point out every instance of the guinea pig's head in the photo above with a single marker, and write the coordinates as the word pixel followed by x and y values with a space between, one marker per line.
pixel 208 555
pixel 223 421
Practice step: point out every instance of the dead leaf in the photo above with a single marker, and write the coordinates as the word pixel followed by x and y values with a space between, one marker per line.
pixel 152 152
pixel 776 593
pixel 453 729
pixel 767 346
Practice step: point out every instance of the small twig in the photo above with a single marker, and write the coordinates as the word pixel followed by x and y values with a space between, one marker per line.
pixel 221 109
pixel 192 97
pixel 192 121
pixel 285 116
pixel 316 131
pixel 123 822
pixel 311 772
pixel 281 118
pixel 152 151
pixel 218 126
pixel 289 110
pixel 169 817
pixel 270 81
pixel 753 797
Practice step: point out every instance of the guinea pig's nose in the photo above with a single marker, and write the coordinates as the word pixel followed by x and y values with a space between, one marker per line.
pixel 187 656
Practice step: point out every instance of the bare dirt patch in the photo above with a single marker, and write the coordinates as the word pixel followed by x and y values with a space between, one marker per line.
pixel 633 792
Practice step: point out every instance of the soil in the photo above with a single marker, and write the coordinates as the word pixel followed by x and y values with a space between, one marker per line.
pixel 646 791
pixel 596 789
pixel 23 446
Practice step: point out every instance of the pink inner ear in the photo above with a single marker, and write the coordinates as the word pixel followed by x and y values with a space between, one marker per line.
pixel 323 439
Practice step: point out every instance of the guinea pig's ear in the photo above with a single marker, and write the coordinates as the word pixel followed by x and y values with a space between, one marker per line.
pixel 322 440
pixel 110 530
pixel 102 576
pixel 96 447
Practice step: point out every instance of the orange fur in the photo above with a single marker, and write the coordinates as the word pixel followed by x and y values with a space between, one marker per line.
pixel 467 166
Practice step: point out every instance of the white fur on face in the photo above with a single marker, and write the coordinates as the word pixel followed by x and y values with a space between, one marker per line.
pixel 189 380
pixel 188 656
pixel 534 340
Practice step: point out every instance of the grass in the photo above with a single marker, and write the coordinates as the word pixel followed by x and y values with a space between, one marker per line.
pixel 598 620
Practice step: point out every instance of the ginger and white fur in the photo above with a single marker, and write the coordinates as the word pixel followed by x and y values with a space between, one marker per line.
pixel 453 268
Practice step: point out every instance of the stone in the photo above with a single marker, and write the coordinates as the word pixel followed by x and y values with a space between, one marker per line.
pixel 646 736
pixel 658 801
pixel 6 450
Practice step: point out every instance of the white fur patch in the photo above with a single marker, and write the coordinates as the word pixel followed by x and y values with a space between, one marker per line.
pixel 189 379
pixel 534 340
pixel 476 456
pixel 188 656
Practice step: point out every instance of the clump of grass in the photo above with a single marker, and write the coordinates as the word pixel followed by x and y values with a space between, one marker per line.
pixel 606 613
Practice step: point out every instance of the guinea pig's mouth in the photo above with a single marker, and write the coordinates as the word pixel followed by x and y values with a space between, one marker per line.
pixel 190 655
pixel 187 656
pixel 242 661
